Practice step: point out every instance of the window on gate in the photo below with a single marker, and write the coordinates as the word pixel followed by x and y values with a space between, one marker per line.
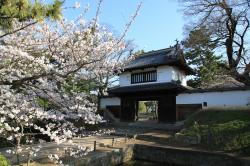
pixel 149 76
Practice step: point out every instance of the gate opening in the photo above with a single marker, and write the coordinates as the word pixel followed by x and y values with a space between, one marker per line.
pixel 147 110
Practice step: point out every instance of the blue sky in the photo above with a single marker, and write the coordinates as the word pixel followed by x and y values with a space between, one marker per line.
pixel 157 26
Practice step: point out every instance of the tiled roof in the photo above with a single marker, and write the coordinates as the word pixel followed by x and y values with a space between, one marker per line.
pixel 169 56
pixel 148 87
pixel 223 81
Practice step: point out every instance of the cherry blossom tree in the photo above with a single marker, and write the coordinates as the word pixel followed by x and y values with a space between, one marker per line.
pixel 105 74
pixel 38 67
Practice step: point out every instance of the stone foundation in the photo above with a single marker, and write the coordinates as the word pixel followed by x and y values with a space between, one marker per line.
pixel 115 157
pixel 166 155
pixel 185 157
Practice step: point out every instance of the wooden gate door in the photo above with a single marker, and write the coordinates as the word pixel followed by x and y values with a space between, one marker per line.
pixel 128 108
pixel 167 108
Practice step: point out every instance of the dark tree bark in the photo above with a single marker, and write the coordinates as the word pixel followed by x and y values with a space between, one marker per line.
pixel 229 24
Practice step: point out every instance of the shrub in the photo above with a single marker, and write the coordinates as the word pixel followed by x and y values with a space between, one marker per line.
pixel 221 130
pixel 229 136
pixel 4 161
pixel 217 117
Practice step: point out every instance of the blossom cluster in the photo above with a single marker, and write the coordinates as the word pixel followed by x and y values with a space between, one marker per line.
pixel 39 66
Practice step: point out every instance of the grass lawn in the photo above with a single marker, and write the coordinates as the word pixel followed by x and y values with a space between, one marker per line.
pixel 221 130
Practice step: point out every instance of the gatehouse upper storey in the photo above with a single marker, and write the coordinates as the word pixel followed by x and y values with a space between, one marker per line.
pixel 161 66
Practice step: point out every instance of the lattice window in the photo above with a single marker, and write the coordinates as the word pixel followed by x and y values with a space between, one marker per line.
pixel 150 76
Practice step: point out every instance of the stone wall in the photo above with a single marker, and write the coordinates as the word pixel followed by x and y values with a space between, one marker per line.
pixel 165 155
pixel 184 157
pixel 115 157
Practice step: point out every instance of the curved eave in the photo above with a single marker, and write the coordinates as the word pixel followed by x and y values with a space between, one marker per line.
pixel 188 70
pixel 171 86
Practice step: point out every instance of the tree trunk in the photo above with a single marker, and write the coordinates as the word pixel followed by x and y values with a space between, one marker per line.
pixel 18 139
pixel 244 77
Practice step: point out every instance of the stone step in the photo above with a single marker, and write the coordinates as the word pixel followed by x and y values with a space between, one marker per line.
pixel 158 136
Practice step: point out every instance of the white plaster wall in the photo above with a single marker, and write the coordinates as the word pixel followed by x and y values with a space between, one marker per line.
pixel 164 74
pixel 179 75
pixel 216 99
pixel 125 79
pixel 109 101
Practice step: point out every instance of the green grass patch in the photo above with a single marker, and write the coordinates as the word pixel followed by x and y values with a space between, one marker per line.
pixel 221 130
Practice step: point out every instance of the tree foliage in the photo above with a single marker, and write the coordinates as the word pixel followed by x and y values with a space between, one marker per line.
pixel 199 52
pixel 104 75
pixel 24 10
pixel 142 107
pixel 228 22
pixel 4 161
pixel 138 53
pixel 47 71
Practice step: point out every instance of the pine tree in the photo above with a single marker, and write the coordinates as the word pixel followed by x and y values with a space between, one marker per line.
pixel 199 52
pixel 24 10
pixel 229 24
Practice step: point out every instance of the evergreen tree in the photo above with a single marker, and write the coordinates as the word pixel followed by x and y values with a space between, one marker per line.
pixel 199 52
pixel 25 10
pixel 138 53
pixel 229 23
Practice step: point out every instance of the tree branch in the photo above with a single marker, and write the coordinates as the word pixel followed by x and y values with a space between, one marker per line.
pixel 19 29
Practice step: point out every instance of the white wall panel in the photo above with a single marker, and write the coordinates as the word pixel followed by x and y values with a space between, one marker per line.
pixel 164 74
pixel 216 99
pixel 179 75
pixel 111 101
